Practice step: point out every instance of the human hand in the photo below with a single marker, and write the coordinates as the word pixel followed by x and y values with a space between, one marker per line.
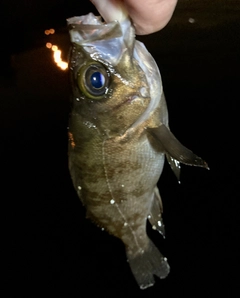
pixel 148 16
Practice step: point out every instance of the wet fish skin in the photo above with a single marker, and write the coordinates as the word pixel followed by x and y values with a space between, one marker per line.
pixel 118 141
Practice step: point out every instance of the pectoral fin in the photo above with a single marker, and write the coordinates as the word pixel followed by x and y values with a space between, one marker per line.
pixel 175 151
pixel 175 166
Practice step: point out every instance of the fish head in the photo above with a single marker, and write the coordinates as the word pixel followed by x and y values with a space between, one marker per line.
pixel 111 88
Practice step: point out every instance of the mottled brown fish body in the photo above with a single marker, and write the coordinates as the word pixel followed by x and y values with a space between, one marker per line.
pixel 116 179
pixel 119 136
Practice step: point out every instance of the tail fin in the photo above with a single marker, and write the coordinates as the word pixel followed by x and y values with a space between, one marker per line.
pixel 147 263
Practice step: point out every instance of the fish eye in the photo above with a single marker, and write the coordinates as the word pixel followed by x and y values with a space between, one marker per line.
pixel 93 80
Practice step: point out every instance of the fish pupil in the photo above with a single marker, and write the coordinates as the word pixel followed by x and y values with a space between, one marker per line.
pixel 97 80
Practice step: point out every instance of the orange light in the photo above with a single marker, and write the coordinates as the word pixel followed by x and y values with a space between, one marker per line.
pixel 56 52
pixel 57 56
pixel 48 45
pixel 49 31
pixel 71 139
pixel 58 60
pixel 54 48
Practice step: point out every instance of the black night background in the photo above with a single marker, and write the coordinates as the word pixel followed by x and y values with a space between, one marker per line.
pixel 50 248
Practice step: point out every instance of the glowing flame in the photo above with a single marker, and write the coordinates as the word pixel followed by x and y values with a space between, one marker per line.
pixel 56 52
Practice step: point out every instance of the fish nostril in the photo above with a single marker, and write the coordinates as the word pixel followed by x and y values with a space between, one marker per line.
pixel 144 92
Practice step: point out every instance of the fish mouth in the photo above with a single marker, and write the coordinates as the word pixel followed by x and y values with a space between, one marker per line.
pixel 107 40
pixel 89 27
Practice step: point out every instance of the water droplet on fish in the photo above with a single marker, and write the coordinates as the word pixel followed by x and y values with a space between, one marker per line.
pixel 122 185
pixel 79 187
pixel 77 99
pixel 125 224
pixel 149 216
pixel 191 20
pixel 134 98
pixel 102 229
pixel 154 227
pixel 112 201
pixel 89 124
pixel 165 259
pixel 159 223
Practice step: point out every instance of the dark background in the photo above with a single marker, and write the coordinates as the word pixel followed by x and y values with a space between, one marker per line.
pixel 50 248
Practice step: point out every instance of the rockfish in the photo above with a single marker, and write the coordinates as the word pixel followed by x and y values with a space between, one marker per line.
pixel 119 135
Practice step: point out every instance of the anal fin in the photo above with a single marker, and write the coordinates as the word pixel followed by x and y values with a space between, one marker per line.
pixel 155 216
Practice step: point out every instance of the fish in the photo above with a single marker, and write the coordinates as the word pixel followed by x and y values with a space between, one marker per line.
pixel 119 135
